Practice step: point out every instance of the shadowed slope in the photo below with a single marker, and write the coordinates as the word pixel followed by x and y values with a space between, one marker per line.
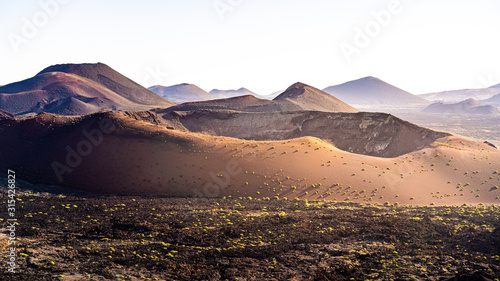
pixel 376 134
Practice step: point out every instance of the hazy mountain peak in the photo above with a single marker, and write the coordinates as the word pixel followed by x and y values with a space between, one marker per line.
pixel 370 91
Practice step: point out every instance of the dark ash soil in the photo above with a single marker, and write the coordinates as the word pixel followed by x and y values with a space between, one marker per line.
pixel 130 238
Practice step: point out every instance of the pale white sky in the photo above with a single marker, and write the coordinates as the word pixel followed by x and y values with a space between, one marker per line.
pixel 265 45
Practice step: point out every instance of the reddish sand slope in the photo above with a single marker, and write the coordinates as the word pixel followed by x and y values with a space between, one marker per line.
pixel 113 153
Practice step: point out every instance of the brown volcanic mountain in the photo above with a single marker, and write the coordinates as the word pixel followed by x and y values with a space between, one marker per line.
pixel 310 98
pixel 112 80
pixel 182 93
pixel 113 153
pixel 71 94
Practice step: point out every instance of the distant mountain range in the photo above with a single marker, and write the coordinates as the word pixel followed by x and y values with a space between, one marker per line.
pixel 371 91
pixel 298 97
pixel 185 92
pixel 469 106
pixel 461 95
pixel 77 89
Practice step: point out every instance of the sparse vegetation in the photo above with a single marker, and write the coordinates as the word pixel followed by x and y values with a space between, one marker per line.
pixel 189 239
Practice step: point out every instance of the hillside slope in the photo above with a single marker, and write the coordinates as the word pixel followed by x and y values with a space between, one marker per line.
pixel 111 153
pixel 113 80
pixel 67 92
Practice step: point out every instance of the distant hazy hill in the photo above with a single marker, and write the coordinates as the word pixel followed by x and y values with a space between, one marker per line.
pixel 182 93
pixel 460 95
pixel 495 86
pixel 310 98
pixel 495 100
pixel 470 106
pixel 222 94
pixel 373 91
pixel 76 90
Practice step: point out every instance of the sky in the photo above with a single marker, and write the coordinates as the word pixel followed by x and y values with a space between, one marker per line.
pixel 421 46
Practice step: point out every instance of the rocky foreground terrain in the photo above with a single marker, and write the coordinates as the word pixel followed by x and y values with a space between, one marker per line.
pixel 64 237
